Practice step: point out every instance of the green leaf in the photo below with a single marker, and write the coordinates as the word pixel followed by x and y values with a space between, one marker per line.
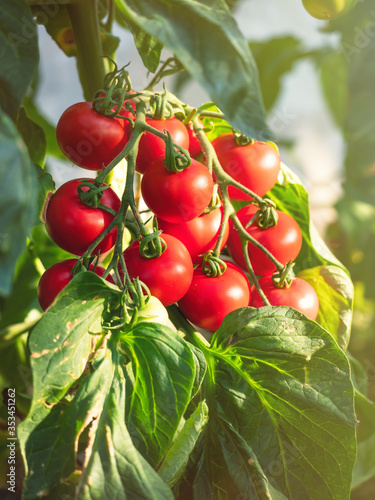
pixel 18 200
pixel 33 136
pixel 149 47
pixel 163 375
pixel 214 126
pixel 335 292
pixel 359 377
pixel 364 467
pixel 291 197
pixel 49 130
pixel 61 343
pixel 177 456
pixel 207 41
pixel 274 58
pixel 200 368
pixel 281 411
pixel 111 461
pixel 46 186
pixel 19 53
pixel 334 78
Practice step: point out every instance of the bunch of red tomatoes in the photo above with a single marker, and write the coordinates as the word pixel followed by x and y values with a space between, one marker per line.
pixel 188 220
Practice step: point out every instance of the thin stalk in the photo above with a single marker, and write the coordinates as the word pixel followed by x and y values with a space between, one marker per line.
pixel 227 210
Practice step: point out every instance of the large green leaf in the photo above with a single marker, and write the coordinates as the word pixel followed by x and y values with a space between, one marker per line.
pixel 207 41
pixel 335 292
pixel 19 53
pixel 18 200
pixel 111 464
pixel 163 373
pixel 61 343
pixel 281 409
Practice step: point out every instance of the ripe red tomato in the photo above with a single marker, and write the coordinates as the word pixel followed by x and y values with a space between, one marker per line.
pixel 198 235
pixel 284 241
pixel 194 144
pixel 151 146
pixel 56 277
pixel 300 295
pixel 209 300
pixel 169 276
pixel 177 197
pixel 73 226
pixel 88 138
pixel 256 165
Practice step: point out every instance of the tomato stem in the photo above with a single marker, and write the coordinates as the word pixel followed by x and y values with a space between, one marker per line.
pixel 85 23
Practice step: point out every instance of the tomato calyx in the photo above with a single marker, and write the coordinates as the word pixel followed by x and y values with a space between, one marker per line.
pixel 212 265
pixel 241 139
pixel 151 245
pixel 93 194
pixel 109 100
pixel 266 216
pixel 284 277
pixel 176 158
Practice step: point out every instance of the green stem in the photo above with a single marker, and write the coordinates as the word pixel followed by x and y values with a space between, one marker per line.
pixel 84 17
pixel 228 209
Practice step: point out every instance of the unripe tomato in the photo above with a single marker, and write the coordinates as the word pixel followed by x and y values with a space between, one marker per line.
pixel 177 197
pixel 198 235
pixel 154 311
pixel 256 165
pixel 88 138
pixel 73 226
pixel 300 295
pixel 56 277
pixel 209 300
pixel 168 277
pixel 284 241
pixel 151 146
pixel 328 9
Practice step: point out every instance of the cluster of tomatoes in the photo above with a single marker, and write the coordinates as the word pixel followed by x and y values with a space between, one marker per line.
pixel 181 204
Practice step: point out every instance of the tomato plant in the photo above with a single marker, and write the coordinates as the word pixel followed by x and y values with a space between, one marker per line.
pixel 168 276
pixel 73 225
pixel 284 241
pixel 300 295
pixel 89 139
pixel 55 279
pixel 210 299
pixel 255 165
pixel 177 197
pixel 199 235
pixel 180 381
